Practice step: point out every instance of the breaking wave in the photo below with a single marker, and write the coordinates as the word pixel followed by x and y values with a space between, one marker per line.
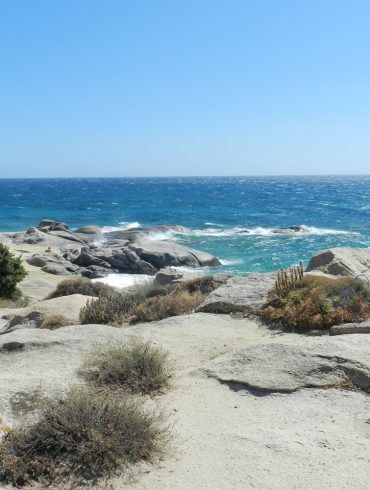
pixel 301 230
pixel 124 225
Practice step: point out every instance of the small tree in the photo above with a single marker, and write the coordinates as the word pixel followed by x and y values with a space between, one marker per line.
pixel 11 272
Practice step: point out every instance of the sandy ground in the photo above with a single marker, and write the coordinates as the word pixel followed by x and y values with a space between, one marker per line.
pixel 224 438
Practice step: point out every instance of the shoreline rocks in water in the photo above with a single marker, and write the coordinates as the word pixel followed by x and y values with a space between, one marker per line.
pixel 89 253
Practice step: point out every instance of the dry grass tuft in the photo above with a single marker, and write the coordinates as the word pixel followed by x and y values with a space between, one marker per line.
pixel 314 302
pixel 80 438
pixel 147 303
pixel 134 365
pixel 81 285
pixel 159 307
pixel 53 322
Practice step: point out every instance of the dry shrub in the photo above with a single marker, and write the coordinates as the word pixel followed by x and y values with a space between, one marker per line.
pixel 204 285
pixel 106 310
pixel 316 302
pixel 81 285
pixel 18 301
pixel 52 322
pixel 159 307
pixel 80 438
pixel 147 303
pixel 134 365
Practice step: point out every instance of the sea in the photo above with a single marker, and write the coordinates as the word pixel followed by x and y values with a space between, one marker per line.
pixel 233 218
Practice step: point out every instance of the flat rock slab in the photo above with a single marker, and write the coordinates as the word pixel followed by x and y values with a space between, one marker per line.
pixel 33 316
pixel 342 261
pixel 287 367
pixel 245 294
pixel 349 328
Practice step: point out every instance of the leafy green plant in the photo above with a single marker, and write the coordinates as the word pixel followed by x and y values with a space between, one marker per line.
pixel 11 273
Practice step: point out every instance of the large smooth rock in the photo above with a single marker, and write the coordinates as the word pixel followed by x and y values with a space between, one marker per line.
pixel 53 225
pixel 306 363
pixel 240 294
pixel 354 262
pixel 115 259
pixel 169 275
pixel 349 328
pixel 89 230
pixel 52 263
pixel 33 316
pixel 56 269
pixel 158 232
pixel 164 253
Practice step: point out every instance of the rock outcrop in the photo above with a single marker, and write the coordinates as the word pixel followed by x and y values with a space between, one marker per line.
pixel 287 367
pixel 126 251
pixel 33 316
pixel 240 294
pixel 170 275
pixel 354 262
pixel 350 328
pixel 89 230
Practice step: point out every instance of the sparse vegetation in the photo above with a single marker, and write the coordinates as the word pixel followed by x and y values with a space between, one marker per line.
pixel 304 302
pixel 82 285
pixel 55 321
pixel 11 273
pixel 146 303
pixel 176 303
pixel 80 438
pixel 134 365
pixel 18 301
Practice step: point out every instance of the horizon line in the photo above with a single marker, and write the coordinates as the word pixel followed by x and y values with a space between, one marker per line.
pixel 188 176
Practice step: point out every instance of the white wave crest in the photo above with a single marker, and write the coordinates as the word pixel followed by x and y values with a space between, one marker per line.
pixel 124 225
pixel 301 230
pixel 125 280
pixel 230 262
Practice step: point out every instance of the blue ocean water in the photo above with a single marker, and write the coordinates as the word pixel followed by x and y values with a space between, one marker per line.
pixel 335 211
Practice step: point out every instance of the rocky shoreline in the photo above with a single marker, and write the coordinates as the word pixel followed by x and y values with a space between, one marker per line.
pixel 248 403
pixel 88 252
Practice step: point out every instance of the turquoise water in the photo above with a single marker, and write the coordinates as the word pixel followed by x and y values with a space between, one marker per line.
pixel 219 211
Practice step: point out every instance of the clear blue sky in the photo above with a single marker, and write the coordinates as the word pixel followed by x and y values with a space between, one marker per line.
pixel 184 87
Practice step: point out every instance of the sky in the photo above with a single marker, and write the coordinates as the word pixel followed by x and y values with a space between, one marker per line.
pixel 186 87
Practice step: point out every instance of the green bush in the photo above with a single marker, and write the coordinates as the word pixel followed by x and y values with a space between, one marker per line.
pixel 84 436
pixel 316 302
pixel 134 365
pixel 11 273
pixel 82 285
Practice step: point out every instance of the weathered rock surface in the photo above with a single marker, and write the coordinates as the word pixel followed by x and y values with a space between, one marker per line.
pixel 33 316
pixel 244 294
pixel 89 230
pixel 164 253
pixel 224 438
pixel 142 233
pixel 354 262
pixel 286 367
pixel 53 263
pixel 349 328
pixel 170 275
pixel 123 251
